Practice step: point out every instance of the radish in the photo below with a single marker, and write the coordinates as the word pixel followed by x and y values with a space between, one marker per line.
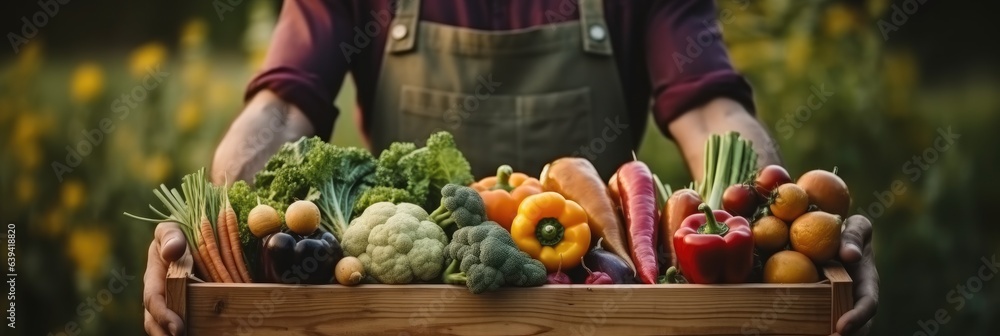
pixel 596 278
pixel 558 277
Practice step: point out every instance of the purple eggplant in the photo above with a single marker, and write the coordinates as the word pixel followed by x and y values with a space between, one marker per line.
pixel 600 260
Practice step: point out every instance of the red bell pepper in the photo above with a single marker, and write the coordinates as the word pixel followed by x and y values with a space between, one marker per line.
pixel 714 247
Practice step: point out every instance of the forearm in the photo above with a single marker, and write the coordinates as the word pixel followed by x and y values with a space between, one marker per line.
pixel 720 115
pixel 265 124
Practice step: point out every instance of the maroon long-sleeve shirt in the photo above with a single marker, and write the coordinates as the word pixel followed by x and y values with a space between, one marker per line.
pixel 670 50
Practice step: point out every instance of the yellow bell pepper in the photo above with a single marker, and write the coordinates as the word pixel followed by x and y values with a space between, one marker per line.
pixel 552 229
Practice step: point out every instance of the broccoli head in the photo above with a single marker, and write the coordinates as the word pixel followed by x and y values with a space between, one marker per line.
pixel 396 243
pixel 484 258
pixel 461 206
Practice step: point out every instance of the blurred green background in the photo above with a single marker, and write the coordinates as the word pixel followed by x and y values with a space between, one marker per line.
pixel 937 71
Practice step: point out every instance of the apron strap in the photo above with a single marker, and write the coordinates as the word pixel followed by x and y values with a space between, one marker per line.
pixel 403 30
pixel 596 38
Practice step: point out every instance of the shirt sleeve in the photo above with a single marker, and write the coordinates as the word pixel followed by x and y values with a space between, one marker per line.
pixel 303 65
pixel 688 63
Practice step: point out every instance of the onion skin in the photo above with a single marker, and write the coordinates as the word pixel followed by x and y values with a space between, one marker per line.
pixel 827 191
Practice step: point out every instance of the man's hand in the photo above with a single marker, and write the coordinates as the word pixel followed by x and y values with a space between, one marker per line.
pixel 168 246
pixel 859 260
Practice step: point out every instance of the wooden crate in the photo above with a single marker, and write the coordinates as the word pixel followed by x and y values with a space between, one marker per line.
pixel 273 309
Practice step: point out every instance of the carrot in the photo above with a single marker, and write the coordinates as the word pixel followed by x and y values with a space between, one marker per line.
pixel 578 180
pixel 225 250
pixel 213 274
pixel 638 201
pixel 208 237
pixel 234 242
pixel 199 265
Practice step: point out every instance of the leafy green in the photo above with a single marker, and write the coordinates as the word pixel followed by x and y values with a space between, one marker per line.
pixel 295 168
pixel 352 174
pixel 387 173
pixel 382 194
pixel 312 169
pixel 419 172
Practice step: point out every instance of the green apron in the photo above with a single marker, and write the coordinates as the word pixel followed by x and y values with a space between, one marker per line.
pixel 521 97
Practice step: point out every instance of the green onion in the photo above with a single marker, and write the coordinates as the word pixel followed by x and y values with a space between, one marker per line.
pixel 729 159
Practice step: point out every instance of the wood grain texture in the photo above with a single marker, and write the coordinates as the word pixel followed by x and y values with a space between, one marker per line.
pixel 842 293
pixel 746 309
pixel 177 284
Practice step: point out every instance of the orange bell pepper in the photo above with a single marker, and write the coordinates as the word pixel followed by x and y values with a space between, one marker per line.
pixel 504 192
pixel 552 229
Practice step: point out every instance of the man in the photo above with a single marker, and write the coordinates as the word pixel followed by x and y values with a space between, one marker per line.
pixel 520 82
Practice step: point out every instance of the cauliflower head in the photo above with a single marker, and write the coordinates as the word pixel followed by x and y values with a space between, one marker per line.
pixel 396 243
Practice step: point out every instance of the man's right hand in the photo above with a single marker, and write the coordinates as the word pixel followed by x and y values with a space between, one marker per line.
pixel 168 246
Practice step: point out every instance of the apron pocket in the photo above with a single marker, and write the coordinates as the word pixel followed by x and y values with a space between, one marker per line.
pixel 551 126
pixel 484 126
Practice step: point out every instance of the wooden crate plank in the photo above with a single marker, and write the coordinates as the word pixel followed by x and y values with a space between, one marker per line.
pixel 267 309
pixel 176 284
pixel 842 293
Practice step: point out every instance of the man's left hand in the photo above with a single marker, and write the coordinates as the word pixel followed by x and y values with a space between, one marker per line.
pixel 859 261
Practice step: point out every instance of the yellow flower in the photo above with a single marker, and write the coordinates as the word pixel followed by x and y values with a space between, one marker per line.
pixel 838 20
pixel 193 34
pixel 188 115
pixel 26 189
pixel 798 51
pixel 145 57
pixel 88 248
pixel 87 82
pixel 26 129
pixel 74 194
pixel 748 54
pixel 157 168
pixel 54 222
